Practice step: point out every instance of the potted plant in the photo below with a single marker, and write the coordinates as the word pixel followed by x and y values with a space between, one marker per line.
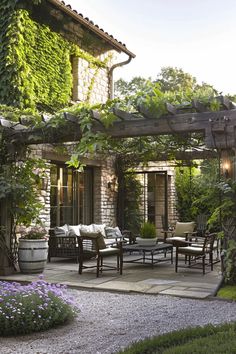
pixel 147 234
pixel 33 250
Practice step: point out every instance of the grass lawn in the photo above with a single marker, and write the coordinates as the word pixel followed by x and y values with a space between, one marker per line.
pixel 199 340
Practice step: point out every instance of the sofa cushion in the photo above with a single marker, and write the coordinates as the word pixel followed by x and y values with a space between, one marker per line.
pixel 94 235
pixel 112 232
pixel 86 228
pixel 99 228
pixel 61 230
pixel 75 228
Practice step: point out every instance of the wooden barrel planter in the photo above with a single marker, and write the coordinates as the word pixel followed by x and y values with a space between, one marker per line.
pixel 32 255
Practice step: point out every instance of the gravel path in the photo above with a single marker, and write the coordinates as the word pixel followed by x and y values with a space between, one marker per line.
pixel 109 322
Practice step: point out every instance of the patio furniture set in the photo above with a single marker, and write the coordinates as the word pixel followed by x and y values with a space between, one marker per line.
pixel 95 242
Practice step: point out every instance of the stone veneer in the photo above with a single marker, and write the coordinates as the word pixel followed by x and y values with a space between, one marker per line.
pixel 105 199
pixel 89 83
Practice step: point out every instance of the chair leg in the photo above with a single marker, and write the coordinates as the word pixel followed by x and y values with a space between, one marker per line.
pixel 176 260
pixel 118 262
pixel 211 259
pixel 99 258
pixel 203 264
pixel 80 265
pixel 121 264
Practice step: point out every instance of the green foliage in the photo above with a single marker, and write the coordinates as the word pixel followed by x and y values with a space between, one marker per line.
pixel 18 185
pixel 132 194
pixel 200 340
pixel 227 292
pixel 35 66
pixel 208 197
pixel 34 307
pixel 148 230
pixel 230 263
pixel 13 114
pixel 124 88
pixel 175 79
pixel 186 192
pixel 199 192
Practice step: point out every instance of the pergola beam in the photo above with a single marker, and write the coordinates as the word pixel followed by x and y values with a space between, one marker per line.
pixel 218 128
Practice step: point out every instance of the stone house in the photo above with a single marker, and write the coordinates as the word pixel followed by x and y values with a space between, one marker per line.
pixel 50 56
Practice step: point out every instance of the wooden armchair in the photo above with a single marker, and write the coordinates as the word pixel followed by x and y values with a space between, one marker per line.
pixel 93 243
pixel 195 250
pixel 180 232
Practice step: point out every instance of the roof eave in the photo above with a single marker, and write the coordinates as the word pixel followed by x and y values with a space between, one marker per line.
pixel 113 42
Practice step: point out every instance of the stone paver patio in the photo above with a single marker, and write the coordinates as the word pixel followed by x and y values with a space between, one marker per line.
pixel 139 278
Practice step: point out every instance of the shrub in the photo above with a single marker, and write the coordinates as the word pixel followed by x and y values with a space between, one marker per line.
pixel 148 230
pixel 34 307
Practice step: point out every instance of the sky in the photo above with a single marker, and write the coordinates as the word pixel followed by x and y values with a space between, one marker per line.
pixel 197 36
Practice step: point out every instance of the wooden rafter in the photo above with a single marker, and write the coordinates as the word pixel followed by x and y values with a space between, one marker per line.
pixel 218 127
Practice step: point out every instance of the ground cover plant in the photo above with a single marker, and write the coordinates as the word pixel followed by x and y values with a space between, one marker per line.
pixel 227 292
pixel 200 340
pixel 34 307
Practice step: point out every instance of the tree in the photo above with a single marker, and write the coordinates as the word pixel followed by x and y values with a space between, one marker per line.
pixel 126 88
pixel 174 79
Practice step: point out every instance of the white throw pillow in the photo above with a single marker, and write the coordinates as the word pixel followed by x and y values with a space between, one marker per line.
pixel 61 230
pixel 75 228
pixel 112 232
pixel 99 228
pixel 86 228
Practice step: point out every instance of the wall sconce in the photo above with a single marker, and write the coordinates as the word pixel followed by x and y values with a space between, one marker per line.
pixel 227 164
pixel 226 168
pixel 112 185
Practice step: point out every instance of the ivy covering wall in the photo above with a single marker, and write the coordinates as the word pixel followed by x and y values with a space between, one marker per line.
pixel 35 62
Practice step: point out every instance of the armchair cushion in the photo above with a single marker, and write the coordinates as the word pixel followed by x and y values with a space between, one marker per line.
pixel 184 227
pixel 95 235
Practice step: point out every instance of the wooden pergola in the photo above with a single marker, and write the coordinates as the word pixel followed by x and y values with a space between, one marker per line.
pixel 217 128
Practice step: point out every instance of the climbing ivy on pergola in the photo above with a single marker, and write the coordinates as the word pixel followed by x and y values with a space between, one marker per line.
pixel 216 129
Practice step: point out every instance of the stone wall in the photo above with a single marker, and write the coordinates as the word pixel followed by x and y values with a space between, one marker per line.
pixel 104 198
pixel 44 193
pixel 105 193
pixel 91 83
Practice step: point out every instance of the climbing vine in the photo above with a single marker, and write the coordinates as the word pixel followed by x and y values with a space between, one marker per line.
pixel 35 62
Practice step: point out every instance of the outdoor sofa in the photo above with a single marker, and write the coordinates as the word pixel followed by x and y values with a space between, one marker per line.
pixel 64 240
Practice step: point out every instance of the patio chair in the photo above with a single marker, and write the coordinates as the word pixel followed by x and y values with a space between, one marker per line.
pixel 181 231
pixel 93 243
pixel 201 224
pixel 195 250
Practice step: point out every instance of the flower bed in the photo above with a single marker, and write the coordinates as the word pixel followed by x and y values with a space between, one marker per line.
pixel 34 307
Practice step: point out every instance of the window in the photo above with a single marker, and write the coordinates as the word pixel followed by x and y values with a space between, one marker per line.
pixel 71 196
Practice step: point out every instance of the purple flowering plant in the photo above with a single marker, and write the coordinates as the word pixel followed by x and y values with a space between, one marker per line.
pixel 34 307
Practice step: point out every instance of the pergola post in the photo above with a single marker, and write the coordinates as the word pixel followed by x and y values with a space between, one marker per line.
pixel 6 264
